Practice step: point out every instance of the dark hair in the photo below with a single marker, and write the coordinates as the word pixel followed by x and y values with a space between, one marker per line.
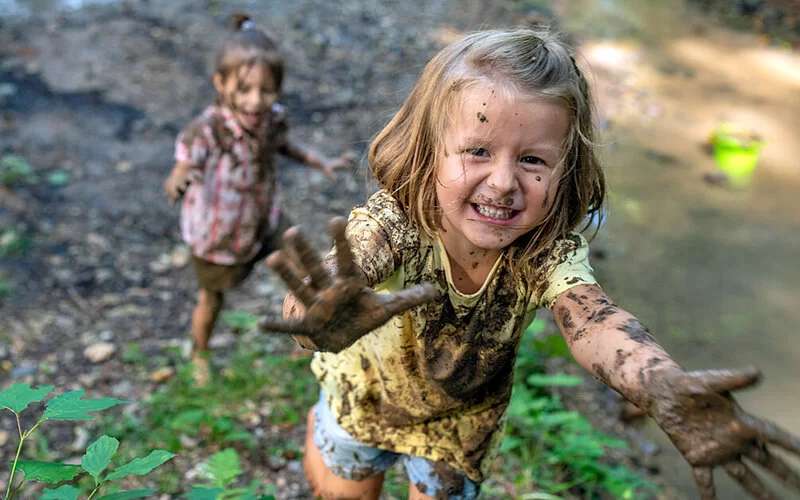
pixel 248 45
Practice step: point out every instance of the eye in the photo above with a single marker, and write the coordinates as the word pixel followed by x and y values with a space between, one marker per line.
pixel 480 152
pixel 532 160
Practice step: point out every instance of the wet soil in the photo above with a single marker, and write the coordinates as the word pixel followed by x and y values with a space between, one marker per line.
pixel 100 92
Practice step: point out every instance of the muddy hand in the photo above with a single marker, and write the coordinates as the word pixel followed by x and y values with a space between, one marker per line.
pixel 339 308
pixel 710 429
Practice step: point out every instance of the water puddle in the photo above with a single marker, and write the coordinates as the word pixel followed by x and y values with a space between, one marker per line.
pixel 711 270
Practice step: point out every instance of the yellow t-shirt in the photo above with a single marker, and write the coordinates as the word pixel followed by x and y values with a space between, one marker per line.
pixel 436 380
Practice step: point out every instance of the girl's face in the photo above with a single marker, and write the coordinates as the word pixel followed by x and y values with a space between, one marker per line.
pixel 499 171
pixel 249 92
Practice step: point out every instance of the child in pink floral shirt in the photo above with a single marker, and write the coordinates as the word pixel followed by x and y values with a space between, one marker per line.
pixel 225 169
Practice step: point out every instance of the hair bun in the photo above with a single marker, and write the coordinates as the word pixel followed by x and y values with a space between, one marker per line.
pixel 238 19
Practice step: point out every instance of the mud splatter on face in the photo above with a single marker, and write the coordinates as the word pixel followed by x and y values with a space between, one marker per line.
pixel 482 117
pixel 546 198
pixel 538 178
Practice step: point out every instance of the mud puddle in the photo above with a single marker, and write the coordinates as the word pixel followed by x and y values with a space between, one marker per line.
pixel 711 270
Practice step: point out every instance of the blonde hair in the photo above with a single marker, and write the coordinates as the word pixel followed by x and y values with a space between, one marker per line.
pixel 248 45
pixel 531 62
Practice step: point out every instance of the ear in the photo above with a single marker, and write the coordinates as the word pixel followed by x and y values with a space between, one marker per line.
pixel 219 82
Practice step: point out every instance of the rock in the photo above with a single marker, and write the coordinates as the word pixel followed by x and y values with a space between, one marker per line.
pixel 162 375
pixel 99 352
pixel 81 439
pixel 187 442
pixel 180 256
pixel 276 462
pixel 98 243
pixel 122 389
pixel 106 336
pixel 24 370
pixel 3 438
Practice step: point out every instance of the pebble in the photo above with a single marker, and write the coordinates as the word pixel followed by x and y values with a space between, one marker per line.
pixel 23 371
pixel 99 352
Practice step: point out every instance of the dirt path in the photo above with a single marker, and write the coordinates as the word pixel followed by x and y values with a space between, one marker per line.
pixel 99 93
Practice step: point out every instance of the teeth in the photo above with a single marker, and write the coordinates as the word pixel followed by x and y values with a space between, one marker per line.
pixel 496 213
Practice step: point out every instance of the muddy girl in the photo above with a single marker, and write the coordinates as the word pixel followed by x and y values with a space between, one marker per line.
pixel 416 316
pixel 225 171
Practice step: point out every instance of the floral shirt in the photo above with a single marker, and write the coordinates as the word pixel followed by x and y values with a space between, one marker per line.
pixel 224 217
pixel 436 381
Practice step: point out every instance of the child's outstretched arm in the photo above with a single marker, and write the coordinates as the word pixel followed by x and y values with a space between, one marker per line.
pixel 339 306
pixel 297 151
pixel 695 409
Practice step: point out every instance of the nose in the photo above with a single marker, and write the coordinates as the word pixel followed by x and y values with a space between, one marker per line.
pixel 503 177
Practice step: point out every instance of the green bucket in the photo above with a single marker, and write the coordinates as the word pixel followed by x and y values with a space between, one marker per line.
pixel 736 152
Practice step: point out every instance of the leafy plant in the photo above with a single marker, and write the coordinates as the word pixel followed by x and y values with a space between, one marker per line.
pixel 221 472
pixel 71 406
pixel 15 168
pixel 559 450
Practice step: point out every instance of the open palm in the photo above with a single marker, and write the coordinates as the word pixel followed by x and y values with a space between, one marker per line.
pixel 339 306
pixel 710 429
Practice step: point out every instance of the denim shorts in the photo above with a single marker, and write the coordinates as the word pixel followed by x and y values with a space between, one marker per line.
pixel 350 459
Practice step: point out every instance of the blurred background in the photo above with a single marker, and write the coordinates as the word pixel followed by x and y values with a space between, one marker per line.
pixel 95 291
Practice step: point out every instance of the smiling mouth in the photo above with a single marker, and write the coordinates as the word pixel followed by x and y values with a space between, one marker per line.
pixel 495 212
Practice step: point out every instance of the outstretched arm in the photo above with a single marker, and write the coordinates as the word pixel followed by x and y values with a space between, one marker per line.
pixel 695 409
pixel 339 308
pixel 301 153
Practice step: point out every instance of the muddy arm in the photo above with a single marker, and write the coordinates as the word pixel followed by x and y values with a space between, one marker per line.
pixel 609 342
pixel 301 153
pixel 695 409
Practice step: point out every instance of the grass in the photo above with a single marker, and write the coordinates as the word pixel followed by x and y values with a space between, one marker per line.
pixel 548 452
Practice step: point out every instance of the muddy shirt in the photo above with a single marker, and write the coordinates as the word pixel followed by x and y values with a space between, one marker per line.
pixel 224 216
pixel 436 381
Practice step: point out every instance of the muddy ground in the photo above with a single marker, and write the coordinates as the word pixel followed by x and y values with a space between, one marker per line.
pixel 99 94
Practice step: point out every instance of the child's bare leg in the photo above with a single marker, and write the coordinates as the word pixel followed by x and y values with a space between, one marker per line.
pixel 328 485
pixel 204 317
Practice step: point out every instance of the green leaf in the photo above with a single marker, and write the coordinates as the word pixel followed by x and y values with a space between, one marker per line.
pixel 17 397
pixel 554 380
pixel 140 466
pixel 65 492
pixel 129 495
pixel 223 467
pixel 239 320
pixel 48 472
pixel 201 492
pixel 70 406
pixel 58 177
pixel 536 327
pixel 98 455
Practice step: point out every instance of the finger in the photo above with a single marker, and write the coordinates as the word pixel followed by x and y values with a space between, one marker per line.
pixel 721 381
pixel 749 481
pixel 309 258
pixel 704 479
pixel 768 432
pixel 344 256
pixel 405 299
pixel 296 285
pixel 775 465
pixel 278 325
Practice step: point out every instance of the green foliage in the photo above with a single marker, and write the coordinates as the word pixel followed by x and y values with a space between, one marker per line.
pixel 71 406
pixel 16 169
pixel 13 241
pixel 275 385
pixel 221 472
pixel 559 450
pixel 239 320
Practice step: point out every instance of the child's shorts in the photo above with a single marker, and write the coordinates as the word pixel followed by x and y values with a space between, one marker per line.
pixel 350 459
pixel 222 278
